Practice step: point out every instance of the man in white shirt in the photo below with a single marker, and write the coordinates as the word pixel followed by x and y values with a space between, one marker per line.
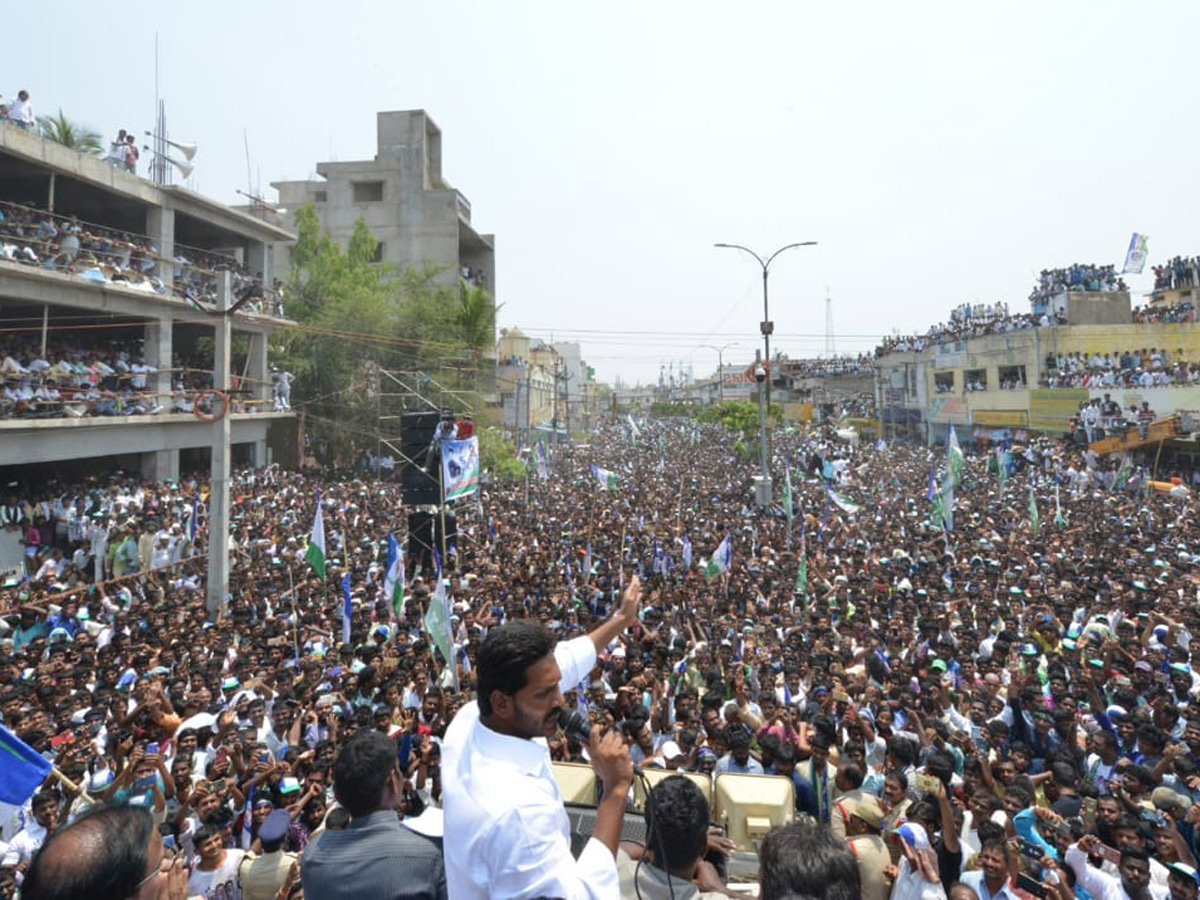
pixel 21 112
pixel 506 831
pixel 1134 880
pixel 30 839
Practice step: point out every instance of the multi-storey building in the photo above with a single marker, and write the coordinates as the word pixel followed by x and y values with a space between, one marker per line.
pixel 1008 380
pixel 416 216
pixel 110 288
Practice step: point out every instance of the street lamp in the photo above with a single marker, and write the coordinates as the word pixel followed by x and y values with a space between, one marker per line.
pixel 720 367
pixel 763 492
pixel 766 326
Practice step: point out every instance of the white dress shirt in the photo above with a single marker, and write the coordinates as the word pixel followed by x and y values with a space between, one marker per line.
pixel 1100 884
pixel 506 831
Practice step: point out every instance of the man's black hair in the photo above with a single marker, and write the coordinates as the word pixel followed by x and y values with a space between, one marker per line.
pixel 101 855
pixel 853 774
pixel 1064 774
pixel 361 771
pixel 940 766
pixel 676 823
pixel 806 858
pixel 505 656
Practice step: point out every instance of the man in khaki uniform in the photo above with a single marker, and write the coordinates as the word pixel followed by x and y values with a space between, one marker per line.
pixel 261 877
pixel 862 833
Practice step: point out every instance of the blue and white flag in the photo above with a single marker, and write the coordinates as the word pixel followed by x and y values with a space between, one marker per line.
pixel 607 479
pixel 543 468
pixel 687 553
pixel 1135 256
pixel 195 517
pixel 460 468
pixel 22 769
pixel 347 608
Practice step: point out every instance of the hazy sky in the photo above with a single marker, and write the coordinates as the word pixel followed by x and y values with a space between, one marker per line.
pixel 940 153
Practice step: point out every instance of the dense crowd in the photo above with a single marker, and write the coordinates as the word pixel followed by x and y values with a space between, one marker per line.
pixel 960 698
pixel 1142 368
pixel 83 375
pixel 960 330
pixel 1177 273
pixel 36 237
pixel 1177 312
pixel 823 367
pixel 1076 277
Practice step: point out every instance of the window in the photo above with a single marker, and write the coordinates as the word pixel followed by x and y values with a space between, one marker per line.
pixel 943 382
pixel 320 196
pixel 1012 378
pixel 377 256
pixel 976 379
pixel 368 191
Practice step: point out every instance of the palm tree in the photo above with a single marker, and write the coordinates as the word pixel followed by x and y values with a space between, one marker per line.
pixel 475 317
pixel 62 130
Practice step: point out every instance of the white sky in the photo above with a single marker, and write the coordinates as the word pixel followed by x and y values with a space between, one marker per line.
pixel 939 152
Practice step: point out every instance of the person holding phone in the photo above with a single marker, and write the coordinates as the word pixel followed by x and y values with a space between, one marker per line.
pixel 1134 868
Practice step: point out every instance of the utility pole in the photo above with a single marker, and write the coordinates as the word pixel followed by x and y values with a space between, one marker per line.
pixel 554 417
pixel 517 413
pixel 567 402
pixel 218 498
pixel 528 406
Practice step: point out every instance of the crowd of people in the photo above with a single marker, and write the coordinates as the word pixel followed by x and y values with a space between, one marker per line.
pixel 958 702
pixel 1076 277
pixel 33 236
pixel 961 329
pixel 1180 272
pixel 1176 312
pixel 1141 368
pixel 823 367
pixel 84 375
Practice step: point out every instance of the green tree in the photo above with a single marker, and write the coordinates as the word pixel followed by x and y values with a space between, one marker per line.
pixel 356 317
pixel 498 455
pixel 62 130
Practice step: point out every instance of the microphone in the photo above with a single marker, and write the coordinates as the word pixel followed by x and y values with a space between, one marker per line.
pixel 575 725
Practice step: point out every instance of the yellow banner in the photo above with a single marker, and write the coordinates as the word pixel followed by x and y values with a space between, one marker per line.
pixel 1002 417
pixel 1052 409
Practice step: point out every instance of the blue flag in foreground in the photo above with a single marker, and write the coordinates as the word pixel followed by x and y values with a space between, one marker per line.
pixel 22 769
pixel 347 608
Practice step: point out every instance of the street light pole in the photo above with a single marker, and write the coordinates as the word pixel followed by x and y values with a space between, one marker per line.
pixel 764 493
pixel 720 367
pixel 767 327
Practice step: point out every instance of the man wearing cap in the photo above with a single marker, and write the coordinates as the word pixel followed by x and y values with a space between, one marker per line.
pixel 261 877
pixel 1183 881
pixel 864 818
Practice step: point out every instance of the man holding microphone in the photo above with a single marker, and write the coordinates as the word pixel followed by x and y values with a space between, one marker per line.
pixel 507 834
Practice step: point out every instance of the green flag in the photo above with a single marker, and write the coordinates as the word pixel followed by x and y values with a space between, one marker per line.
pixel 786 499
pixel 954 456
pixel 1034 523
pixel 315 553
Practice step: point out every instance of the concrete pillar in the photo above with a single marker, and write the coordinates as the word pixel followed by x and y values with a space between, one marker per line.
pixel 218 500
pixel 160 228
pixel 258 374
pixel 158 350
pixel 261 258
pixel 260 454
pixel 160 465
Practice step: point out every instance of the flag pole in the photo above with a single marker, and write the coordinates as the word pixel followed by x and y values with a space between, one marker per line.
pixel 295 612
pixel 72 786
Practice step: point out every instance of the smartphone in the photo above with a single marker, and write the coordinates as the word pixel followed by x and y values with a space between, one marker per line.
pixel 1029 849
pixel 1088 809
pixel 152 748
pixel 1111 854
pixel 1031 885
pixel 264 757
pixel 144 784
